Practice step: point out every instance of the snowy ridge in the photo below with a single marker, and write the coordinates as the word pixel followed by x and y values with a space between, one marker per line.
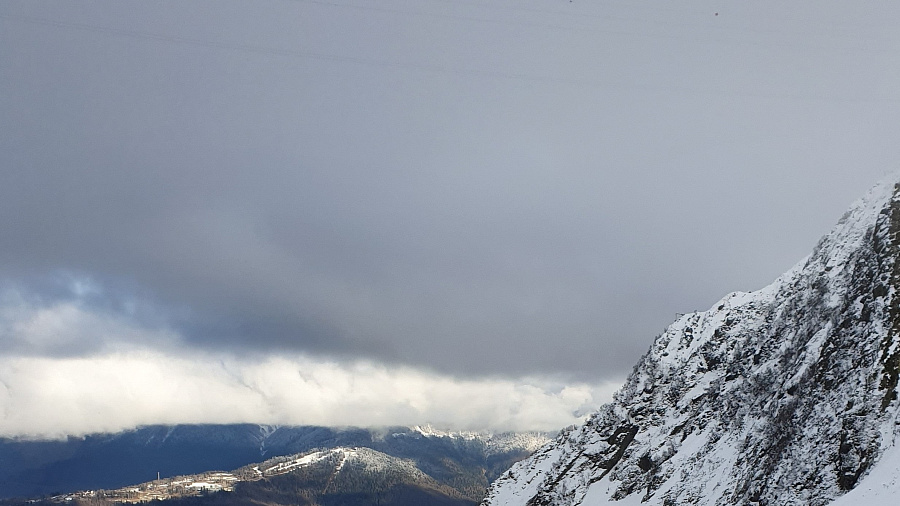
pixel 785 396
pixel 334 460
pixel 286 466
pixel 494 443
pixel 338 458
pixel 512 441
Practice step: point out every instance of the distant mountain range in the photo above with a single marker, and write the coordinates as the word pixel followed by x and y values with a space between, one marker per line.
pixel 389 466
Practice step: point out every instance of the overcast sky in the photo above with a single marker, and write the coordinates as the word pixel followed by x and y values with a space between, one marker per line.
pixel 399 201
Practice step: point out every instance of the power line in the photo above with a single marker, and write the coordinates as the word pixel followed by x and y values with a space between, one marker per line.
pixel 600 30
pixel 492 74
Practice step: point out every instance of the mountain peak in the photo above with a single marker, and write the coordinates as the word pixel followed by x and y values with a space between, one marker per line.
pixel 785 395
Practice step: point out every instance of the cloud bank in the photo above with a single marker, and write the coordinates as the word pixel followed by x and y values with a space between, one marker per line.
pixel 126 383
pixel 44 397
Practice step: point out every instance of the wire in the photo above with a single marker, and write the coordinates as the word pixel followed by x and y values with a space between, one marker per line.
pixel 606 17
pixel 592 83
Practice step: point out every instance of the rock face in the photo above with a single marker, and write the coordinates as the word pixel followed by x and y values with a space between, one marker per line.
pixel 783 396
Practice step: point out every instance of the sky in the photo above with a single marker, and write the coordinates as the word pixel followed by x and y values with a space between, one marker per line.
pixel 472 213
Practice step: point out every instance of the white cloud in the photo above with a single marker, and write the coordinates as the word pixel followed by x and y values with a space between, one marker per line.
pixel 52 397
pixel 70 370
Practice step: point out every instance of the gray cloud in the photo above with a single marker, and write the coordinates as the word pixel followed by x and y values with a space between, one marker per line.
pixel 513 189
pixel 127 383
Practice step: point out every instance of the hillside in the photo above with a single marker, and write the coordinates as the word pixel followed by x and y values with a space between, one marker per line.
pixel 347 476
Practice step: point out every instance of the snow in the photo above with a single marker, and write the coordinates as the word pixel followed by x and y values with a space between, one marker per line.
pixel 305 460
pixel 265 431
pixel 205 485
pixel 701 387
pixel 341 456
pixel 599 495
pixel 428 430
pixel 344 458
pixel 881 487
pixel 495 443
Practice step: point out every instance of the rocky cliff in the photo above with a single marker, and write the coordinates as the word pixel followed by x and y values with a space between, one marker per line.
pixel 783 396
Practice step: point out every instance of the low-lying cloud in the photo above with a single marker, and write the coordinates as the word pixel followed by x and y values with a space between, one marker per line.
pixel 142 376
pixel 54 397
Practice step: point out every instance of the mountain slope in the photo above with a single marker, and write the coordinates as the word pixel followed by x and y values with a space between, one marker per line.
pixel 787 395
pixel 341 475
pixel 351 476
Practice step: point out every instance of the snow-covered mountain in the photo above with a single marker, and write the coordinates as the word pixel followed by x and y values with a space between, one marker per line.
pixel 342 475
pixel 783 396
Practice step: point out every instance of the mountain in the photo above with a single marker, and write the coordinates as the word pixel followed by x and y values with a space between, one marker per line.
pixel 338 476
pixel 783 396
pixel 110 461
